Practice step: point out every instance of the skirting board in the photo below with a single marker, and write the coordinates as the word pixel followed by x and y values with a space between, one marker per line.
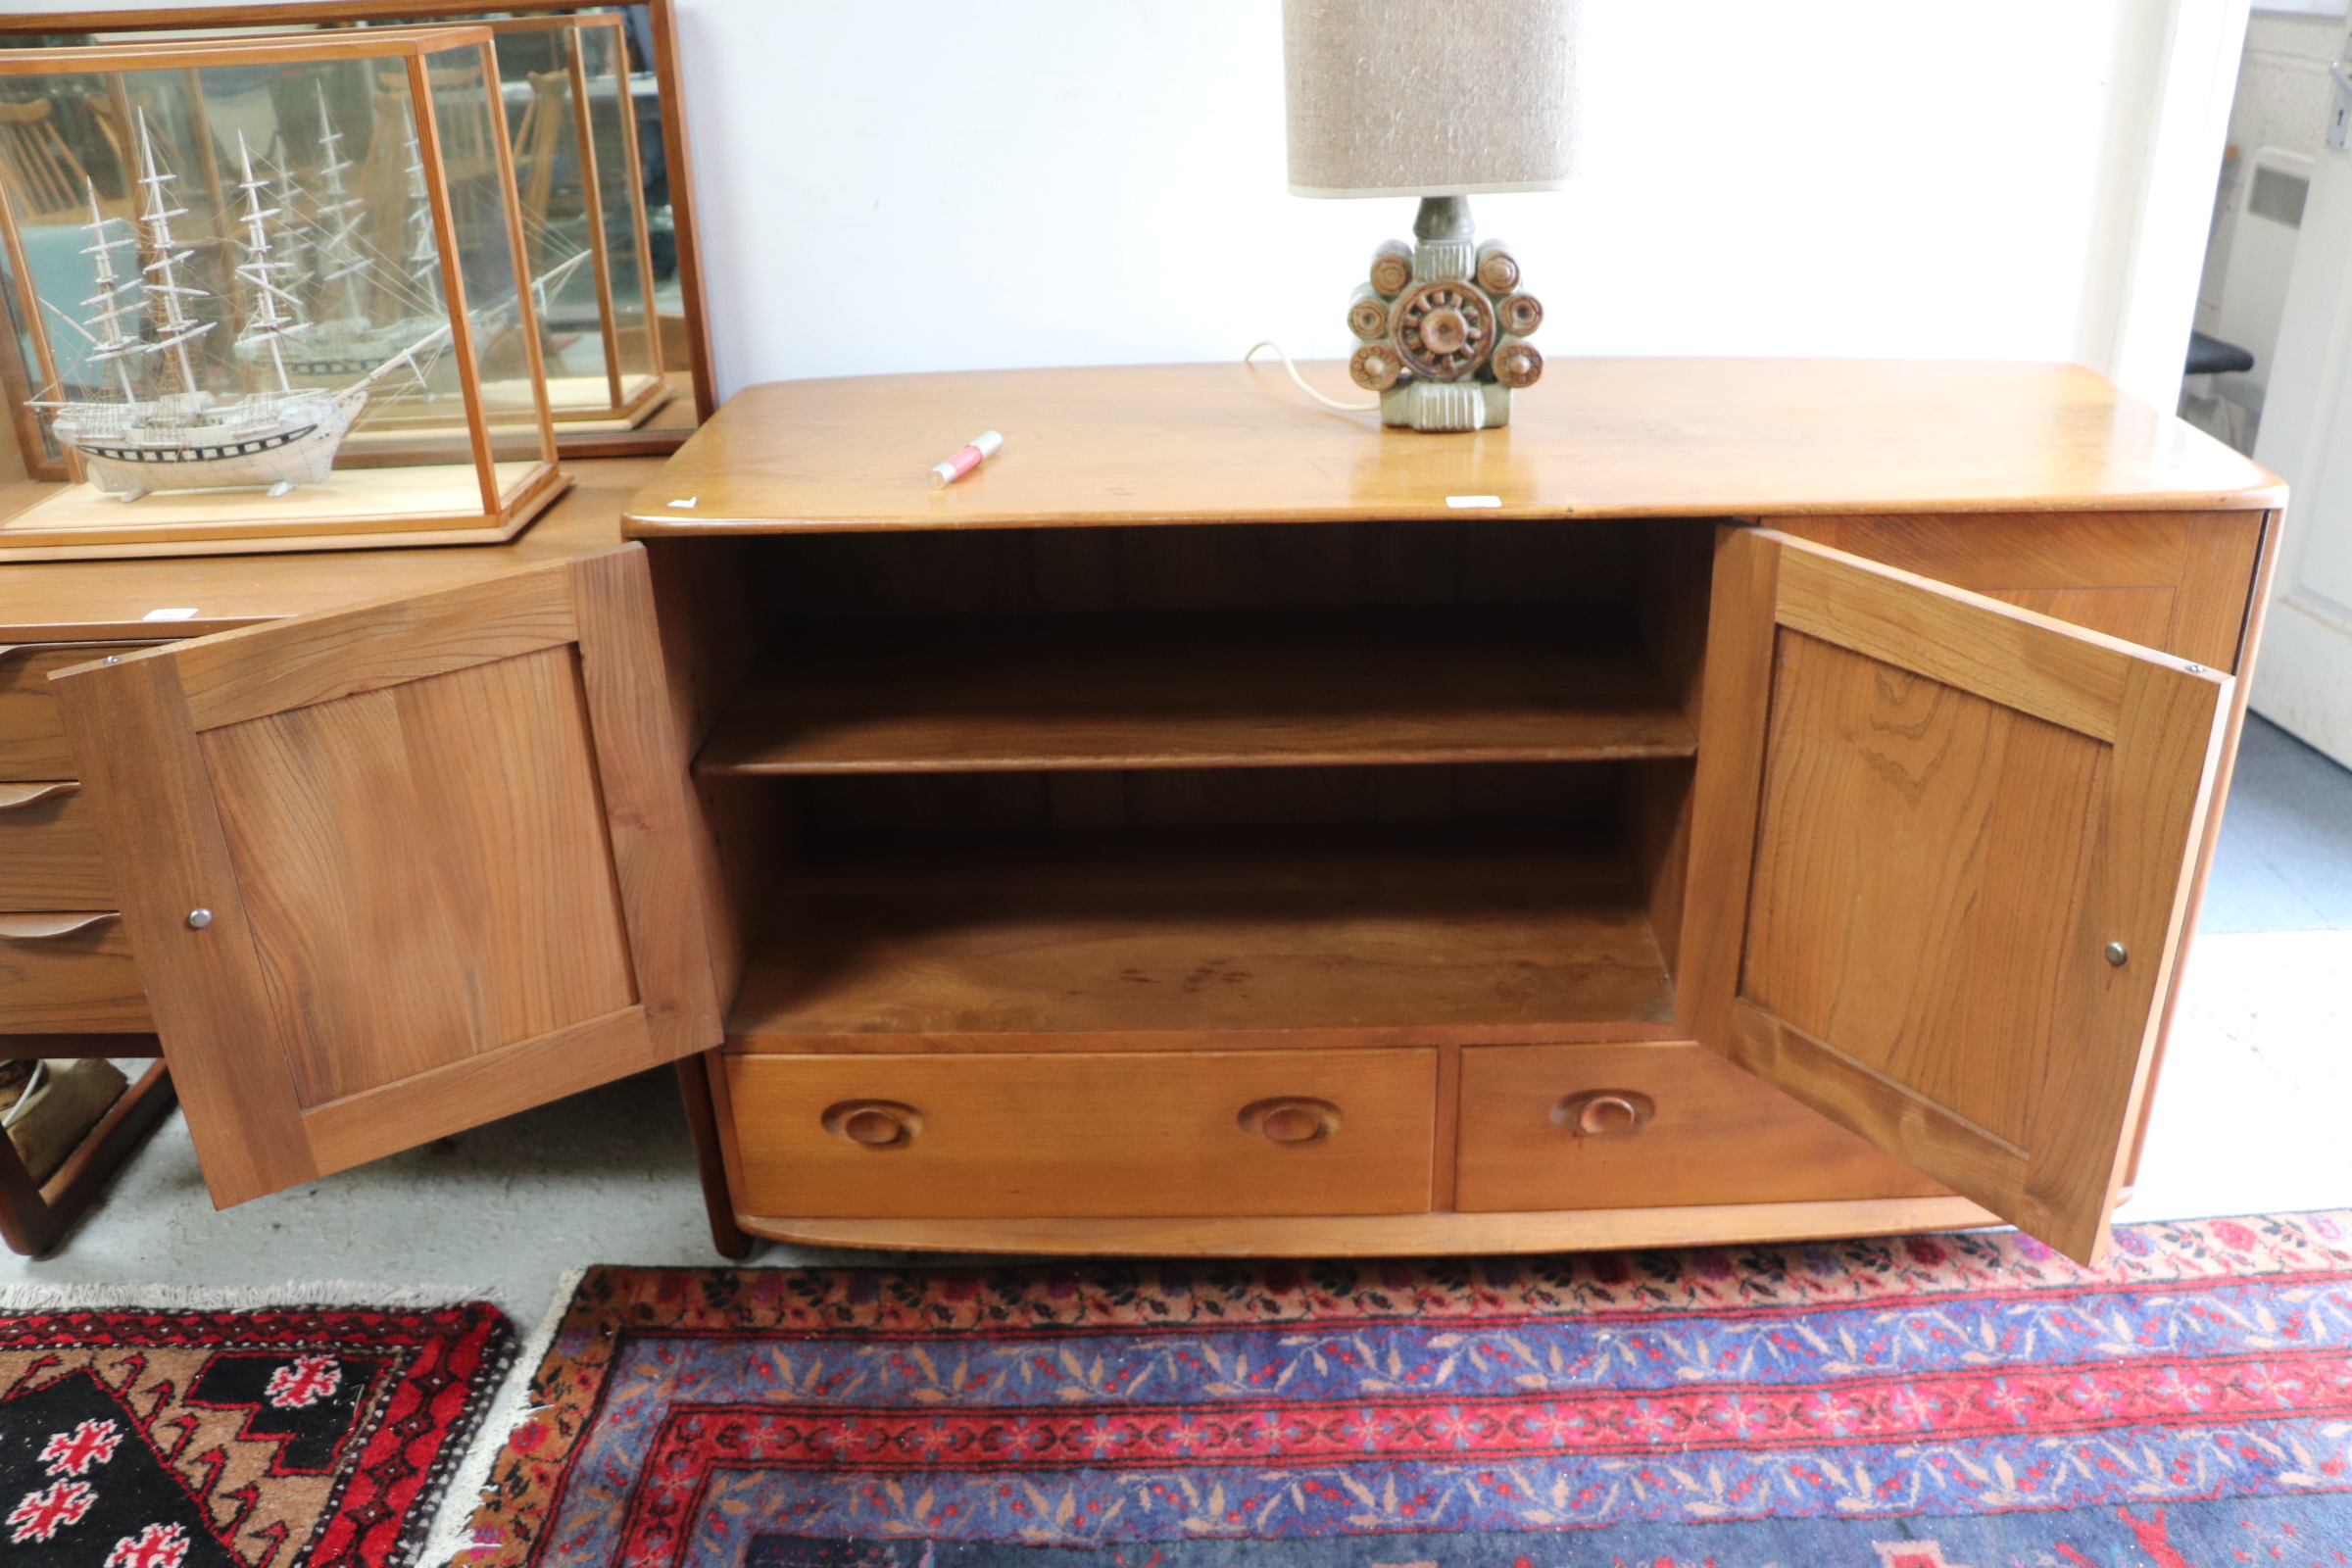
pixel 1389 1235
pixel 359 509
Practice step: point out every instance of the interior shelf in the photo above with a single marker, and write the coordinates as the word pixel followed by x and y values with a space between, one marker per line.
pixel 1201 929
pixel 1228 689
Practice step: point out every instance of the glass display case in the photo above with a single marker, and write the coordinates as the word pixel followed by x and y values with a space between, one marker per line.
pixel 273 293
pixel 581 183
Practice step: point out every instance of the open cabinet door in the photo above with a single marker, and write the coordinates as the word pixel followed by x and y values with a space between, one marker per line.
pixel 1954 842
pixel 395 871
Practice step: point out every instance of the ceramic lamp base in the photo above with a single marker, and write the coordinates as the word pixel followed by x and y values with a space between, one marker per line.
pixel 1443 325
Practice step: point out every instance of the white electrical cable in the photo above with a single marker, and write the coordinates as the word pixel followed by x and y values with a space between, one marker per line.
pixel 1329 403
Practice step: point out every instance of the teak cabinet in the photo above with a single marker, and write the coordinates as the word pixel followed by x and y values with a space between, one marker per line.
pixel 1739 800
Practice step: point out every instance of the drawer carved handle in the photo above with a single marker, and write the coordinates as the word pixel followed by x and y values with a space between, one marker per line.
pixel 13 796
pixel 873 1123
pixel 1603 1113
pixel 1290 1122
pixel 35 927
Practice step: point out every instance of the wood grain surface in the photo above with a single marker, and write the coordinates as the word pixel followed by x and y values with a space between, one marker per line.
pixel 1386 1235
pixel 1598 437
pixel 400 940
pixel 32 734
pixel 1013 941
pixel 1719 1135
pixel 69 973
pixel 1185 691
pixel 419 905
pixel 49 854
pixel 1078 1134
pixel 1939 868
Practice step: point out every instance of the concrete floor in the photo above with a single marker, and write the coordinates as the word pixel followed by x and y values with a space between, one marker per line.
pixel 2249 1121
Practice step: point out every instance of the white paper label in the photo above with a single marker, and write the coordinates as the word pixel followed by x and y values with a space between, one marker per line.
pixel 170 615
pixel 688 502
pixel 1474 501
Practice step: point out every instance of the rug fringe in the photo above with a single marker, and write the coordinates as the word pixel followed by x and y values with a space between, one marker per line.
pixel 235 1297
pixel 453 1522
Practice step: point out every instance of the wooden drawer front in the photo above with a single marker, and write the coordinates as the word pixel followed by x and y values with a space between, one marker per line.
pixel 1029 1136
pixel 68 974
pixel 32 737
pixel 1713 1135
pixel 49 855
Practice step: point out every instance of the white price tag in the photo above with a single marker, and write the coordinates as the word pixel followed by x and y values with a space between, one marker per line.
pixel 1474 501
pixel 170 615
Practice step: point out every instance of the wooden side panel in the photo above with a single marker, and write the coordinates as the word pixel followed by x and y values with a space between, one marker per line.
pixel 1716 1135
pixel 1081 1136
pixel 1949 828
pixel 425 867
pixel 2172 580
pixel 642 764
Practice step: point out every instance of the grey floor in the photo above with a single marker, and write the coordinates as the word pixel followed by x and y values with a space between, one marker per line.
pixel 2251 1118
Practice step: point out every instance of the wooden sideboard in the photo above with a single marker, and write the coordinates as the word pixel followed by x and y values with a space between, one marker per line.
pixel 1740 799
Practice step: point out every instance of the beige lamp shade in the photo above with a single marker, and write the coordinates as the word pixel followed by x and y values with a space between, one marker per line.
pixel 1435 98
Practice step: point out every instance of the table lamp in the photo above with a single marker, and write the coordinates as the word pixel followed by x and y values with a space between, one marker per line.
pixel 1441 102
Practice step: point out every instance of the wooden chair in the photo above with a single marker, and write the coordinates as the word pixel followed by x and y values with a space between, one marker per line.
pixel 48 178
pixel 34 1216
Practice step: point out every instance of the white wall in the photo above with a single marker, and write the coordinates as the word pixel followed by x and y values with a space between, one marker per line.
pixel 932 184
pixel 929 184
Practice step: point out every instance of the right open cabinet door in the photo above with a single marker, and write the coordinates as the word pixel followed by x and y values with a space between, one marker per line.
pixel 1941 853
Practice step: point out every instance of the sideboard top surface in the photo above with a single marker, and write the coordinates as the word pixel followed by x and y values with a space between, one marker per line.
pixel 80 600
pixel 1624 437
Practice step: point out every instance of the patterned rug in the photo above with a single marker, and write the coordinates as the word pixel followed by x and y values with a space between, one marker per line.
pixel 1954 1401
pixel 295 1437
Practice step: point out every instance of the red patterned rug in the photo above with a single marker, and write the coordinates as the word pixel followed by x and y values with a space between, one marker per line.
pixel 291 1437
pixel 1955 1401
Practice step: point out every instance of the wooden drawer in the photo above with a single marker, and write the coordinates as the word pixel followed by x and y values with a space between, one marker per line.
pixel 68 974
pixel 1545 1127
pixel 33 738
pixel 1084 1136
pixel 49 857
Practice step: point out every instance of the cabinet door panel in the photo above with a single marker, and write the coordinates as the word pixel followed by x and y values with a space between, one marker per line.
pixel 1933 819
pixel 440 846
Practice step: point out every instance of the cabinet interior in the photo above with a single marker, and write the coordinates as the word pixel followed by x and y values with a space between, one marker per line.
pixel 1019 788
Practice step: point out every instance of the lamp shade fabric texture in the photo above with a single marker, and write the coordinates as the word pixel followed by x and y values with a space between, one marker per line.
pixel 1458 99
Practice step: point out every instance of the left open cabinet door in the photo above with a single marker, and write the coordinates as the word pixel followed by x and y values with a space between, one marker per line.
pixel 396 870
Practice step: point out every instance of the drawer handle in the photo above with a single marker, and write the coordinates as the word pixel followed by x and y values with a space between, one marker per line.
pixel 13 796
pixel 873 1123
pixel 1290 1122
pixel 1605 1113
pixel 34 927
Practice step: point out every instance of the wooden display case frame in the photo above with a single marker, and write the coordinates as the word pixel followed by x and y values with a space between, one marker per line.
pixel 73 525
pixel 700 380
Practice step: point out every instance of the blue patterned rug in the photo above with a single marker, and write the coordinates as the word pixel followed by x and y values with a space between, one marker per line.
pixel 1958 1402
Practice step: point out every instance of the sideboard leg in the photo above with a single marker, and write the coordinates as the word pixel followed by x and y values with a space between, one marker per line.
pixel 701 1121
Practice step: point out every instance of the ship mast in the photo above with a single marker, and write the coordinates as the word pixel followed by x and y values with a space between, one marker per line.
pixel 339 215
pixel 425 256
pixel 266 322
pixel 113 345
pixel 162 283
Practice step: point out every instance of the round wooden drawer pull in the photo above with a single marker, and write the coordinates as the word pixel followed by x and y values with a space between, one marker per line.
pixel 873 1123
pixel 1603 1113
pixel 1290 1122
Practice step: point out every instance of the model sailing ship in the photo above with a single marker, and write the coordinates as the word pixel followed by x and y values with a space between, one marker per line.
pixel 187 438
